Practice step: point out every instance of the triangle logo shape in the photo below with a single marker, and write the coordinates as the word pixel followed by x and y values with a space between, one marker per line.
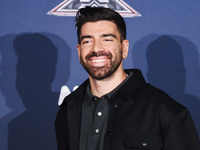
pixel 70 7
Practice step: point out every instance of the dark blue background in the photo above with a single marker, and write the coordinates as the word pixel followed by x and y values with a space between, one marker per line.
pixel 38 56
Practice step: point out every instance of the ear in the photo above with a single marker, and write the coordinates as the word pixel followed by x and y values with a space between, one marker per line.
pixel 125 48
pixel 78 49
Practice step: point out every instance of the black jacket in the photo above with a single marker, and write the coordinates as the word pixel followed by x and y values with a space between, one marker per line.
pixel 140 117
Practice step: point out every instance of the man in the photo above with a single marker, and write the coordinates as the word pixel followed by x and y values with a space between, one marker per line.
pixel 116 109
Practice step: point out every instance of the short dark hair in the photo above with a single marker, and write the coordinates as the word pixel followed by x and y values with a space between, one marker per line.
pixel 94 14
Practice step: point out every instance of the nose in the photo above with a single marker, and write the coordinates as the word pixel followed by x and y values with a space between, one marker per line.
pixel 97 46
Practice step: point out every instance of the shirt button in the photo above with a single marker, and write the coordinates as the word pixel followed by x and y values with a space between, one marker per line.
pixel 95 98
pixel 99 113
pixel 97 130
pixel 144 144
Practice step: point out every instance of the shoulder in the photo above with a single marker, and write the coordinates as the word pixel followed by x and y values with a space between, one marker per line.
pixel 168 110
pixel 161 100
pixel 75 95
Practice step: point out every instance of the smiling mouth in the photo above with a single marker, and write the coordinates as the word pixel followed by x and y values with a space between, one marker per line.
pixel 98 60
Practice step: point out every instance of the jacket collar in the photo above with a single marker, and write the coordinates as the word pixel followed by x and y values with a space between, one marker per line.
pixel 129 90
pixel 134 84
pixel 78 94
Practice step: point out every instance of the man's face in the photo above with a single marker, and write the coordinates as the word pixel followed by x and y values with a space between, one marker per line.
pixel 101 50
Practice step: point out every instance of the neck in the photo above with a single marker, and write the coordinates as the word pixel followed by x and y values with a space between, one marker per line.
pixel 102 87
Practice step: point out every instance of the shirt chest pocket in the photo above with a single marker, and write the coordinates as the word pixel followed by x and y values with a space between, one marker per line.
pixel 142 141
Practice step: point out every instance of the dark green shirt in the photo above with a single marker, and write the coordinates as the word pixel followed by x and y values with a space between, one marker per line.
pixel 94 119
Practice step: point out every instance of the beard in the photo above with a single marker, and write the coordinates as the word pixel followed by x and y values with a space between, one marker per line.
pixel 100 73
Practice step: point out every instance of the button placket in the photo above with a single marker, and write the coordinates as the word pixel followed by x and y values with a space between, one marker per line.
pixel 97 119
pixel 99 116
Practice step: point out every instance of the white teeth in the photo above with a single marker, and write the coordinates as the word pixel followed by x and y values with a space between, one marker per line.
pixel 98 60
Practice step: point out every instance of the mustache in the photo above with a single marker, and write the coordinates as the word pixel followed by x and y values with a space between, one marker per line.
pixel 98 54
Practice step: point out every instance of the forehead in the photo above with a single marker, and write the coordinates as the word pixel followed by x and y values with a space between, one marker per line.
pixel 99 27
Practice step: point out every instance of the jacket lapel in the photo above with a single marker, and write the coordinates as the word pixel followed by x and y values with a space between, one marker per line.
pixel 74 109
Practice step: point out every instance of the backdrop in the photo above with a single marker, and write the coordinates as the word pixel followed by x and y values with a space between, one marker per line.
pixel 38 56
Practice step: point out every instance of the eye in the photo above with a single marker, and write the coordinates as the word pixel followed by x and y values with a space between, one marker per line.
pixel 108 39
pixel 85 41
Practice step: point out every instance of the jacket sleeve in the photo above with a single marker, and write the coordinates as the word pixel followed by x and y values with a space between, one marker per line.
pixel 61 128
pixel 181 134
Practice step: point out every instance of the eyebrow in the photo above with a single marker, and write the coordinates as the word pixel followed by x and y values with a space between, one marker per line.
pixel 103 35
pixel 85 36
pixel 106 35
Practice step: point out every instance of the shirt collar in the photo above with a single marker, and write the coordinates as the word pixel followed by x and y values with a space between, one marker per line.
pixel 89 97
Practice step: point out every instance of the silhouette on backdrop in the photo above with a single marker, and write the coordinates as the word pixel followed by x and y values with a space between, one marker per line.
pixel 170 68
pixel 36 68
pixel 10 102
